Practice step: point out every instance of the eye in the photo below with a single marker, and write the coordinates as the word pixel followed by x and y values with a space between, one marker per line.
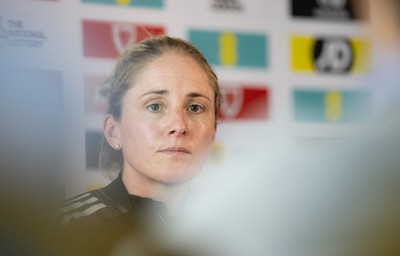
pixel 194 108
pixel 155 107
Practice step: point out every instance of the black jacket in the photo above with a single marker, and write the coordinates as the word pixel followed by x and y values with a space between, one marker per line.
pixel 96 222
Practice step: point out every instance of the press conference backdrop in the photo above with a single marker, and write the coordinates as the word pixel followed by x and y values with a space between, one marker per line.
pixel 294 66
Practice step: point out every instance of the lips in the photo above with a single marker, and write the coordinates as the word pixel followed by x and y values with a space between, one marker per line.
pixel 175 150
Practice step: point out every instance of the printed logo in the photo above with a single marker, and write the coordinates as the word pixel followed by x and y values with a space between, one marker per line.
pixel 228 5
pixel 332 106
pixel 134 3
pixel 123 35
pixel 332 4
pixel 335 55
pixel 25 33
pixel 110 39
pixel 95 103
pixel 232 49
pixel 324 9
pixel 244 103
pixel 233 101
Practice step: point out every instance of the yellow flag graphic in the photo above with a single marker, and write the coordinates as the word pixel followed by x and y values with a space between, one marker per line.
pixel 228 45
pixel 333 106
pixel 362 50
pixel 302 48
pixel 302 52
pixel 123 2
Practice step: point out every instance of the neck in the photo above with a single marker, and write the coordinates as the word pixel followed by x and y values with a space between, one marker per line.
pixel 171 195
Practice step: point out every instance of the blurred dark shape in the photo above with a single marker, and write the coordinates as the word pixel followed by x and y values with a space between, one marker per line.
pixel 92 142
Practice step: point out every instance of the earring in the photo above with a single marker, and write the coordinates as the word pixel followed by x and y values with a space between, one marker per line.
pixel 117 146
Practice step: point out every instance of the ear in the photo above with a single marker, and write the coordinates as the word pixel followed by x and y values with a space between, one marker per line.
pixel 111 130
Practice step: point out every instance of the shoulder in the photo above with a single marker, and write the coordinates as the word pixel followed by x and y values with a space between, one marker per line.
pixel 91 208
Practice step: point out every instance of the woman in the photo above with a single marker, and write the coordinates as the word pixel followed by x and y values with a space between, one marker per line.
pixel 163 101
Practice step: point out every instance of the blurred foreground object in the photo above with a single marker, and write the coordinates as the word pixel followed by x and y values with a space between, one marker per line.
pixel 343 200
pixel 31 157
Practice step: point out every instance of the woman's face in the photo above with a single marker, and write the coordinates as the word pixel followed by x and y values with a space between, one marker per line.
pixel 167 123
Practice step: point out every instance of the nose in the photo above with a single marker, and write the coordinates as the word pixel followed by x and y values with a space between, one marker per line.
pixel 177 124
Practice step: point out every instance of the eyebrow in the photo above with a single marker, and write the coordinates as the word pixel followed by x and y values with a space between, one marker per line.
pixel 163 92
pixel 158 92
pixel 195 95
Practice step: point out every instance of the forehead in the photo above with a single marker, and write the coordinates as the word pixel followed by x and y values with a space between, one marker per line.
pixel 174 61
pixel 173 69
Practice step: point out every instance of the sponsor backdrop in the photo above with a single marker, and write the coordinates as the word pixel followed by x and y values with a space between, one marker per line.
pixel 291 66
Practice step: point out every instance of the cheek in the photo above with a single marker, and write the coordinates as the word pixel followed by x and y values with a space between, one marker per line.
pixel 138 136
pixel 207 136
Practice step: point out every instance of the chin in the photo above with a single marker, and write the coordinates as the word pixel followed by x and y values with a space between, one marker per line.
pixel 178 177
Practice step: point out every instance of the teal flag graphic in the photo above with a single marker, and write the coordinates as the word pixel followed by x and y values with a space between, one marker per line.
pixel 138 3
pixel 232 49
pixel 331 106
